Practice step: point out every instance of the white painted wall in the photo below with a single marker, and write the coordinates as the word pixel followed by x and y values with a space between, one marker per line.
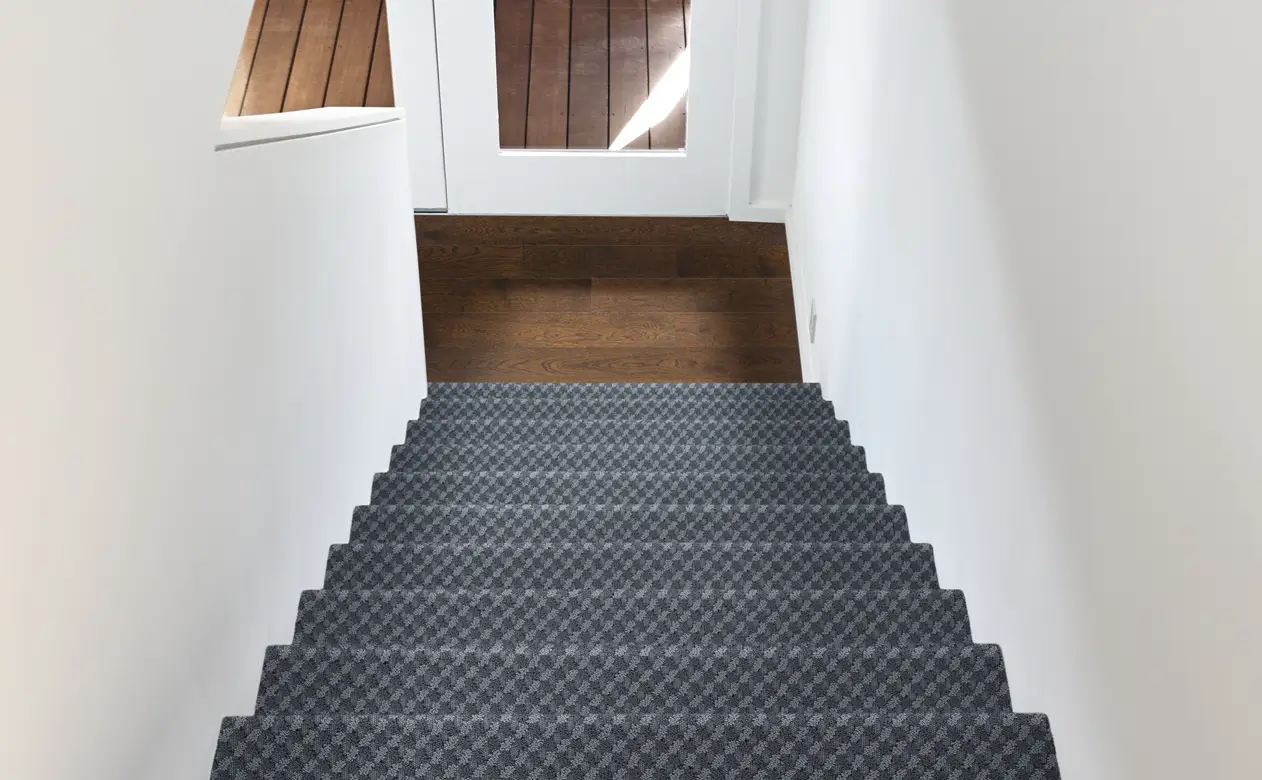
pixel 768 76
pixel 1033 233
pixel 414 60
pixel 205 357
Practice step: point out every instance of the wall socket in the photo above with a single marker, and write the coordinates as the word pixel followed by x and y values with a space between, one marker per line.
pixel 812 321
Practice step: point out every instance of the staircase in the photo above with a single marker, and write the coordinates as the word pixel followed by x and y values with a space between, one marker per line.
pixel 632 581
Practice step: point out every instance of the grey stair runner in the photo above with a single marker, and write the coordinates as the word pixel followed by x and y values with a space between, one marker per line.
pixel 632 581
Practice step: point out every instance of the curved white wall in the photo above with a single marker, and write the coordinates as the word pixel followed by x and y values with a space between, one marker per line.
pixel 1033 234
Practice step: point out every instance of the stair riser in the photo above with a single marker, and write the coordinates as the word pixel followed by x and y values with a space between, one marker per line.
pixel 612 433
pixel 437 457
pixel 628 487
pixel 679 566
pixel 627 391
pixel 445 524
pixel 373 619
pixel 320 681
pixel 620 409
pixel 963 746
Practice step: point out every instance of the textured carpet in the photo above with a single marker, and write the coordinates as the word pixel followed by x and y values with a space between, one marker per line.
pixel 632 581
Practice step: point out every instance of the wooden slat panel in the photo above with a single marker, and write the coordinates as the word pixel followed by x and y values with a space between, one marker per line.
pixel 265 93
pixel 644 364
pixel 589 76
pixel 547 112
pixel 352 56
pixel 380 76
pixel 444 230
pixel 628 65
pixel 730 295
pixel 512 66
pixel 310 75
pixel 245 60
pixel 734 262
pixel 685 330
pixel 666 43
pixel 455 296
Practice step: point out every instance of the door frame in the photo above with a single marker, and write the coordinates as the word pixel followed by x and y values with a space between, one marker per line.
pixel 483 179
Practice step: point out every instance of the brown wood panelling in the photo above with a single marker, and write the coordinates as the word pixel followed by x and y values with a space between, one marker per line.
pixel 301 54
pixel 352 57
pixel 547 111
pixel 380 76
pixel 628 65
pixel 589 76
pixel 603 299
pixel 245 60
pixel 644 364
pixel 595 231
pixel 512 65
pixel 666 43
pixel 269 75
pixel 310 75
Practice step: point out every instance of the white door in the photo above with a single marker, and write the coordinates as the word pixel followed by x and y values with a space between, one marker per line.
pixel 559 60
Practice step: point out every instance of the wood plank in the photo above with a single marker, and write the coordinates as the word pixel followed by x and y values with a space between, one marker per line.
pixel 352 55
pixel 547 262
pixel 734 262
pixel 547 112
pixel 512 66
pixel 265 92
pixel 309 77
pixel 245 60
pixel 730 295
pixel 685 330
pixel 380 75
pixel 445 230
pixel 644 364
pixel 628 65
pixel 666 44
pixel 589 76
pixel 498 296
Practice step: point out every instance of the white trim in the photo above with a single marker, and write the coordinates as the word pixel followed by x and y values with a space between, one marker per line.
pixel 235 131
pixel 801 299
pixel 414 61
pixel 759 212
pixel 745 113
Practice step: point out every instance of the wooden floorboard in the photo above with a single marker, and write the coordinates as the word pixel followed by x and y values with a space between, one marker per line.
pixel 605 299
pixel 666 44
pixel 269 75
pixel 309 77
pixel 245 60
pixel 512 64
pixel 597 231
pixel 589 76
pixel 380 75
pixel 628 65
pixel 547 112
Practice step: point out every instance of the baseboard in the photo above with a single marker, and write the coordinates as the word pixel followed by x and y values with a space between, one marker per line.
pixel 759 212
pixel 801 300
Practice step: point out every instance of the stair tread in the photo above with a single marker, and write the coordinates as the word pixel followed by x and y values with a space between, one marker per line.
pixel 525 523
pixel 448 455
pixel 620 432
pixel 853 746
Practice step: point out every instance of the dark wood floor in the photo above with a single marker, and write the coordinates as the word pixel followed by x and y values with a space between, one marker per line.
pixel 572 73
pixel 302 54
pixel 599 299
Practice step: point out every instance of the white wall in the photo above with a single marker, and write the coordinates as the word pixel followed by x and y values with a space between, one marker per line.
pixel 1033 234
pixel 204 362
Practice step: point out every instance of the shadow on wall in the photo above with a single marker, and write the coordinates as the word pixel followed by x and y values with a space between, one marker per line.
pixel 1035 261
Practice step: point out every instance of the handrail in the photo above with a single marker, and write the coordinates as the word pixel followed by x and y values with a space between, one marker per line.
pixel 236 132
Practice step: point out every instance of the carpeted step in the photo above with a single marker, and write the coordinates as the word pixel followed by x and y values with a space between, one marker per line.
pixel 929 746
pixel 568 523
pixel 588 680
pixel 666 617
pixel 719 565
pixel 614 408
pixel 435 456
pixel 620 432
pixel 627 487
pixel 624 390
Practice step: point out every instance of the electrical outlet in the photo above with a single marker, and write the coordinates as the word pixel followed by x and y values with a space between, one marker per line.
pixel 812 321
